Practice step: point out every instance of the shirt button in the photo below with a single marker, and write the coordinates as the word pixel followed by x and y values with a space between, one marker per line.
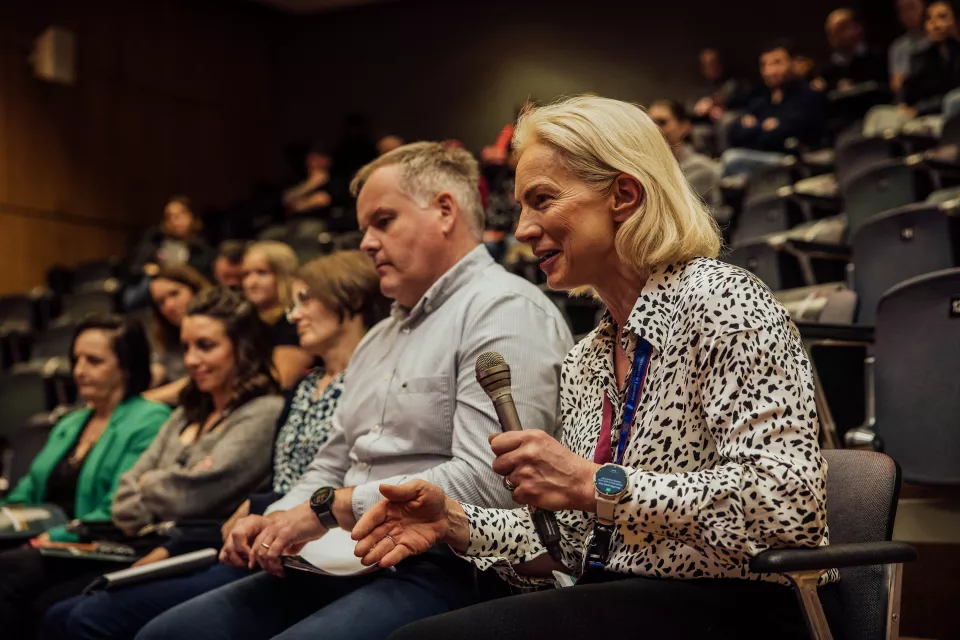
pixel 363 466
pixel 375 429
pixel 427 308
pixel 406 329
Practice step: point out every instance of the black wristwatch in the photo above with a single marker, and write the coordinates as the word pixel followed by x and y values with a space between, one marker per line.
pixel 322 504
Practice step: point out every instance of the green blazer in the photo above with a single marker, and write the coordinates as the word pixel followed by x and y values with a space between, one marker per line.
pixel 132 427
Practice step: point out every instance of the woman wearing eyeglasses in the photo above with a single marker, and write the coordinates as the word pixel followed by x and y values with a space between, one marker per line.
pixel 336 299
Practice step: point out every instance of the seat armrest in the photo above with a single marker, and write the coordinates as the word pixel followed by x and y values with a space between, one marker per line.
pixel 834 556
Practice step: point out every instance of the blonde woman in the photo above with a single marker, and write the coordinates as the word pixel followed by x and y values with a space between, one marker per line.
pixel 268 269
pixel 689 433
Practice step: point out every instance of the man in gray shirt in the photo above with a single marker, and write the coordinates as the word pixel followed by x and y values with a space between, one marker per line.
pixel 411 408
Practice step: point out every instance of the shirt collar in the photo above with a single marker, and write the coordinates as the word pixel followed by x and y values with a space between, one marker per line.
pixel 650 318
pixel 446 285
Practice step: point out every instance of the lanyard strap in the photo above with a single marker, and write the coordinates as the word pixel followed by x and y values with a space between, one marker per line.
pixel 638 373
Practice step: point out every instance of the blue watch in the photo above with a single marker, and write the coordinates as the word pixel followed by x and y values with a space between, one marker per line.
pixel 610 483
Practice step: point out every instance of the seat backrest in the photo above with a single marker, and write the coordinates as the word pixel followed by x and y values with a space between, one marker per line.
pixel 951 130
pixel 776 269
pixel 916 382
pixel 878 188
pixel 857 152
pixel 78 305
pixel 767 181
pixel 898 245
pixel 763 217
pixel 22 395
pixel 94 271
pixel 862 492
pixel 53 343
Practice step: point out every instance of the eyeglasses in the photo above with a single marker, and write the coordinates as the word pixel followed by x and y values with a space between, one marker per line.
pixel 300 299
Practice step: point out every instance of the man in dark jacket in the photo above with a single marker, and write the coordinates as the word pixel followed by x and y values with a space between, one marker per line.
pixel 935 71
pixel 852 61
pixel 787 109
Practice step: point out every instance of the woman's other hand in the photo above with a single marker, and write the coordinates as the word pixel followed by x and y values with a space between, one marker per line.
pixel 410 519
pixel 547 474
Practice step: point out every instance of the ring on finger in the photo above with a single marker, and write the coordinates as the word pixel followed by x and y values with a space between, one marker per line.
pixel 509 485
pixel 391 539
pixel 265 545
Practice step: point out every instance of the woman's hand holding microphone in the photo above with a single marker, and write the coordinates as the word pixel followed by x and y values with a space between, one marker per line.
pixel 416 515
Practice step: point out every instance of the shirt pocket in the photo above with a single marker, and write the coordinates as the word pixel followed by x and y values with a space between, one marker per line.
pixel 426 408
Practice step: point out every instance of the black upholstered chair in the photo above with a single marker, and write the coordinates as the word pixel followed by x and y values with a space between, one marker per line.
pixel 862 492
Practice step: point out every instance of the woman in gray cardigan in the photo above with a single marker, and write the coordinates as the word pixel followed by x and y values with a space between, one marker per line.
pixel 216 447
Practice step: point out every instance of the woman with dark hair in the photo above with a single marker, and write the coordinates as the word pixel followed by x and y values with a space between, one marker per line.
pixel 176 241
pixel 171 292
pixel 337 300
pixel 79 468
pixel 215 448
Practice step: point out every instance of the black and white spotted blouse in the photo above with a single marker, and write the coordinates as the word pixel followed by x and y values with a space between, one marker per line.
pixel 724 454
pixel 308 426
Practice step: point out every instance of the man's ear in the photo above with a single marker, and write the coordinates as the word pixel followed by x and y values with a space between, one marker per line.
pixel 449 209
pixel 627 197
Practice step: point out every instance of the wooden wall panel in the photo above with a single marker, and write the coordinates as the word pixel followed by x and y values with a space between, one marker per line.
pixel 172 96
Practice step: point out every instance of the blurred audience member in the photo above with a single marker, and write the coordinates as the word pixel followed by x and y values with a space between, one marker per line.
pixel 171 291
pixel 787 109
pixel 268 269
pixel 722 91
pixel 337 300
pixel 803 68
pixel 851 62
pixel 79 467
pixel 499 151
pixel 935 71
pixel 911 14
pixel 228 265
pixel 317 192
pixel 701 172
pixel 386 144
pixel 411 407
pixel 215 448
pixel 176 241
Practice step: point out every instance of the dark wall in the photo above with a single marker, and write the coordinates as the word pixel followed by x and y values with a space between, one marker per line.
pixel 456 69
pixel 171 96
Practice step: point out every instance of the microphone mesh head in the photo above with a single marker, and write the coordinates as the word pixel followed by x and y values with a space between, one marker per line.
pixel 488 360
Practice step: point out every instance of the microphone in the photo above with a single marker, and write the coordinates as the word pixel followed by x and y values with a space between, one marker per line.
pixel 493 374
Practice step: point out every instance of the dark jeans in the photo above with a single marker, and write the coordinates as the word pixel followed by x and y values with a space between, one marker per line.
pixel 638 608
pixel 122 613
pixel 304 605
pixel 31 583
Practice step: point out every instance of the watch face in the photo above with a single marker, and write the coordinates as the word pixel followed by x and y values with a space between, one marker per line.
pixel 321 496
pixel 610 480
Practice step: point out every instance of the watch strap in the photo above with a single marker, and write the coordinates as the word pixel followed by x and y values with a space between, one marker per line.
pixel 327 520
pixel 605 509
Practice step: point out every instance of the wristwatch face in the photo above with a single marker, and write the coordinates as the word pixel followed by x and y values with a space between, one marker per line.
pixel 321 497
pixel 610 480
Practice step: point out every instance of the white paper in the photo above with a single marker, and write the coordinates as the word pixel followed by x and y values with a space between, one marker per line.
pixel 333 554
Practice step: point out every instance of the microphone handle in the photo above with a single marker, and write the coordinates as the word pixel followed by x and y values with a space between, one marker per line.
pixel 545 522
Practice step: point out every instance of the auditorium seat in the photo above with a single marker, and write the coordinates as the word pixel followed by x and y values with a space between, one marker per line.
pixel 897 245
pixel 862 492
pixel 22 445
pixel 75 306
pixel 881 187
pixel 917 388
pixel 95 275
pixel 856 152
pixel 951 131
pixel 22 396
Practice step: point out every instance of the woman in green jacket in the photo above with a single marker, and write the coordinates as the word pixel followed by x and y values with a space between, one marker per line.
pixel 88 450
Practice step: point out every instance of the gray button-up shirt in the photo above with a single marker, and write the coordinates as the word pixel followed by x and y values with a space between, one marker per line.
pixel 411 405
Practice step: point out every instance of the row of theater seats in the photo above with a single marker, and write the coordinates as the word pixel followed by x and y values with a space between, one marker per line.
pixel 862 244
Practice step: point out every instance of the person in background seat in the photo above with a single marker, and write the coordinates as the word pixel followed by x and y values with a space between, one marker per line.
pixel 79 468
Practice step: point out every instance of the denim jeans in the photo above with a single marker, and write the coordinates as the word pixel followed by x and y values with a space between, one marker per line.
pixel 122 613
pixel 739 161
pixel 307 606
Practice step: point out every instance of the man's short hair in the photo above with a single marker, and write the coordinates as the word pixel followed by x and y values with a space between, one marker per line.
pixel 431 168
pixel 779 43
pixel 232 251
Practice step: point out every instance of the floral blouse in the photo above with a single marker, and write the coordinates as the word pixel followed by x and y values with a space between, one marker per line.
pixel 723 458
pixel 307 427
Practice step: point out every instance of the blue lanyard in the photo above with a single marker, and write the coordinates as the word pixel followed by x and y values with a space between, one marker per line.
pixel 638 372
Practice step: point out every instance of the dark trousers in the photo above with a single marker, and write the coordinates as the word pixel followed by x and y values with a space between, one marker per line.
pixel 638 608
pixel 120 614
pixel 308 606
pixel 31 583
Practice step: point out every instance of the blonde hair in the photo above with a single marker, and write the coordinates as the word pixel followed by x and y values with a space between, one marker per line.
pixel 283 264
pixel 599 139
pixel 428 169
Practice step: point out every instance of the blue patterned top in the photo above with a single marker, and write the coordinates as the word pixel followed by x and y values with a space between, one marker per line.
pixel 307 428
